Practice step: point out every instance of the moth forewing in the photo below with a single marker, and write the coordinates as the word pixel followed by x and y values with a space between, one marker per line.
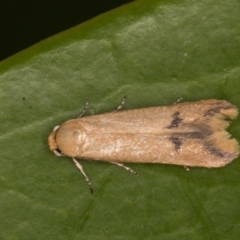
pixel 188 134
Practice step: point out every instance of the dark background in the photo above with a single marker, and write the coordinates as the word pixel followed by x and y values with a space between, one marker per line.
pixel 26 22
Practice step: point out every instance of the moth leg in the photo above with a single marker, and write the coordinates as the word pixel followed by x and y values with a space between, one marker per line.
pixel 121 104
pixel 79 166
pixel 125 167
pixel 187 168
pixel 178 100
pixel 84 109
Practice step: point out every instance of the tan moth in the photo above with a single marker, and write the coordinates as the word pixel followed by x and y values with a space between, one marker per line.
pixel 191 134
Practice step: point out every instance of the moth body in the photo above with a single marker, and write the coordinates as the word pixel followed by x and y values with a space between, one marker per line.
pixel 190 134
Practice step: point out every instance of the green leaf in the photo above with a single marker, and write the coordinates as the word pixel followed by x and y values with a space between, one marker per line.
pixel 153 52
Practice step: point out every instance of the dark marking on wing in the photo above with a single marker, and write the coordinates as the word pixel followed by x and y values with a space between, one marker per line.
pixel 214 151
pixel 195 130
pixel 177 142
pixel 190 135
pixel 200 130
pixel 214 110
pixel 176 120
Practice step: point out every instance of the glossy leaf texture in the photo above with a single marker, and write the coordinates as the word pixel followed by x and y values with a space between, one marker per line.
pixel 153 52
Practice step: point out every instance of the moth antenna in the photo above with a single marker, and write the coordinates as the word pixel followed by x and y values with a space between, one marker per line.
pixel 120 106
pixel 125 167
pixel 84 109
pixel 178 100
pixel 79 166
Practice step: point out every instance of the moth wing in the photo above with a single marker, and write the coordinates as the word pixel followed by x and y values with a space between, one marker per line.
pixel 191 134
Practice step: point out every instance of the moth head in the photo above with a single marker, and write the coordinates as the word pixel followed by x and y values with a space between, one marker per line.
pixel 52 142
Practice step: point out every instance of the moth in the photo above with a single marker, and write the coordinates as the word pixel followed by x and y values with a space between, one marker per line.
pixel 191 134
